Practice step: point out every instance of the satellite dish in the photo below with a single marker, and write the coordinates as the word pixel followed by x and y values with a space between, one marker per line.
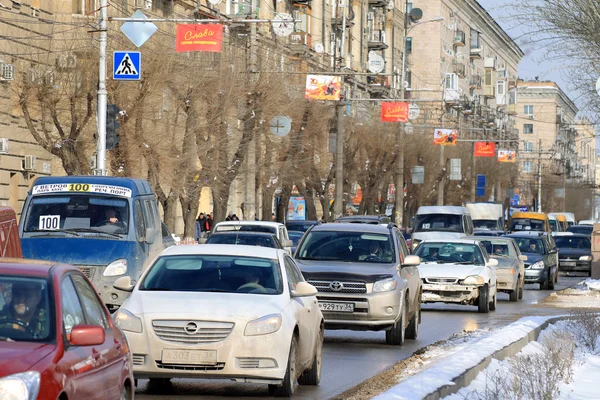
pixel 319 48
pixel 415 14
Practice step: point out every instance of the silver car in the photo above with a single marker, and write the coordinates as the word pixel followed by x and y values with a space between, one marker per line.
pixel 365 277
pixel 510 272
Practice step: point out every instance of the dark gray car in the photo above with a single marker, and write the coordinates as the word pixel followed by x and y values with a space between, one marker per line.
pixel 365 277
pixel 542 258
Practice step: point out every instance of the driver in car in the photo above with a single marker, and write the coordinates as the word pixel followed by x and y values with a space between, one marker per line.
pixel 110 217
pixel 252 280
pixel 24 312
pixel 374 251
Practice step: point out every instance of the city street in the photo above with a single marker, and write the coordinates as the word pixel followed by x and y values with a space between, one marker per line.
pixel 349 358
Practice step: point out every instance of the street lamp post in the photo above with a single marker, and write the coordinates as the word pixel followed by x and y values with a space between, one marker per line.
pixel 399 206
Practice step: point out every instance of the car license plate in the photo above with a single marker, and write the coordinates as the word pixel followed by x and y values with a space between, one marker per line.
pixel 190 357
pixel 569 263
pixel 340 307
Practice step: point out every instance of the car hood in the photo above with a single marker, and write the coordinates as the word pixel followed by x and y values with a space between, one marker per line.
pixel 532 258
pixel 18 357
pixel 566 252
pixel 449 270
pixel 345 271
pixel 436 235
pixel 208 306
pixel 504 262
pixel 77 251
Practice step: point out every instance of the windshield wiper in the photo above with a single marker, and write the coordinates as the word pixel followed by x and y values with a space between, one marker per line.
pixel 90 230
pixel 52 231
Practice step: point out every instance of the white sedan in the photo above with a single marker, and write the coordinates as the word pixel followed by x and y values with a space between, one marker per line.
pixel 224 311
pixel 457 271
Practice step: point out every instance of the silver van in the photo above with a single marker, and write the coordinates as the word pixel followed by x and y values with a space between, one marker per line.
pixel 441 222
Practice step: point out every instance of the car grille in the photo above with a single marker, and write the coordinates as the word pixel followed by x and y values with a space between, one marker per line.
pixel 353 299
pixel 346 287
pixel 138 359
pixel 175 367
pixel 249 363
pixel 87 271
pixel 442 281
pixel 184 332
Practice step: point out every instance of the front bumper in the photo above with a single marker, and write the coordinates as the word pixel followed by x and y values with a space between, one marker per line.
pixel 575 265
pixel 372 311
pixel 237 356
pixel 110 296
pixel 440 293
pixel 506 281
pixel 536 275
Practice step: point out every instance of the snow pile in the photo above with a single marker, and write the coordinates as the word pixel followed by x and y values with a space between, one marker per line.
pixel 592 284
pixel 562 364
pixel 585 294
pixel 443 373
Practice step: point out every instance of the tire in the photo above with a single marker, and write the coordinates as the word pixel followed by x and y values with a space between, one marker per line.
pixel 395 335
pixel 312 376
pixel 126 393
pixel 551 280
pixel 513 296
pixel 483 305
pixel 544 286
pixel 493 302
pixel 412 331
pixel 160 381
pixel 521 288
pixel 286 389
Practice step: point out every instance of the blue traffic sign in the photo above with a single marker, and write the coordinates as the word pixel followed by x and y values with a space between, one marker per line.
pixel 480 186
pixel 514 201
pixel 127 65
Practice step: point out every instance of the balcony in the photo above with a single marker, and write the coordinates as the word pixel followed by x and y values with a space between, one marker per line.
pixel 512 109
pixel 459 38
pixel 378 84
pixel 301 2
pixel 476 52
pixel 379 3
pixel 337 22
pixel 459 69
pixel 300 43
pixel 475 81
pixel 489 91
pixel 377 40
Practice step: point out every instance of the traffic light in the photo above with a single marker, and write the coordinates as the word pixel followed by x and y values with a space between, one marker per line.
pixel 112 126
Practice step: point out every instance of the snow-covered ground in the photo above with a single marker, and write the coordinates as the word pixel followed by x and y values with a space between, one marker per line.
pixel 585 294
pixel 564 363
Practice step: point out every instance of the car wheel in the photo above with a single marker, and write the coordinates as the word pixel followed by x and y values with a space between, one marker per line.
pixel 483 305
pixel 544 285
pixel 395 335
pixel 286 389
pixel 556 277
pixel 412 331
pixel 521 288
pixel 514 295
pixel 159 381
pixel 493 302
pixel 126 393
pixel 551 280
pixel 312 376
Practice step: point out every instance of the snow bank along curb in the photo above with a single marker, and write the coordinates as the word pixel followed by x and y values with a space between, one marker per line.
pixel 459 370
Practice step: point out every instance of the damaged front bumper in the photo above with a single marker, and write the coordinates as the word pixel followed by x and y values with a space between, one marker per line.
pixel 458 294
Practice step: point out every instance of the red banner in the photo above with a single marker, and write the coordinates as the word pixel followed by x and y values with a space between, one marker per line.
pixel 192 37
pixel 394 112
pixel 485 149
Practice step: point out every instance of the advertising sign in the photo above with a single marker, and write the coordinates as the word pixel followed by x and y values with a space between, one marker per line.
pixel 296 209
pixel 394 112
pixel 445 137
pixel 485 149
pixel 202 37
pixel 507 155
pixel 323 87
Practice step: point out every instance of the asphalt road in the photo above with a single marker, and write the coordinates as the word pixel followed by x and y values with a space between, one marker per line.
pixel 351 357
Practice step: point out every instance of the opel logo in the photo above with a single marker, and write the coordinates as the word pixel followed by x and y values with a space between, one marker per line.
pixel 336 286
pixel 191 328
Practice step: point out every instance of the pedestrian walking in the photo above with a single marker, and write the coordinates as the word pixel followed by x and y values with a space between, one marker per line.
pixel 200 227
pixel 209 223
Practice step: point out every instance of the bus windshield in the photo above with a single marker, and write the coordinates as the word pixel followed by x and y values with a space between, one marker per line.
pixel 78 213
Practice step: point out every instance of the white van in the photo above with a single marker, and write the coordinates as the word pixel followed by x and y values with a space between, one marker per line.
pixel 441 222
pixel 487 216
pixel 275 228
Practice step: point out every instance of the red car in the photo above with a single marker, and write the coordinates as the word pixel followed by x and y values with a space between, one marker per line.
pixel 57 339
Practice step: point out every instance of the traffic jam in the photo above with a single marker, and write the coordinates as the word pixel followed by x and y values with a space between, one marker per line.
pixel 97 295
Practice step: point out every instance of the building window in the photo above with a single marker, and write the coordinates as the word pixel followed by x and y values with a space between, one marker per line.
pixel 475 39
pixel 451 82
pixel 301 13
pixel 500 85
pixel 527 166
pixel 408 45
pixel 85 7
pixel 527 128
pixel 528 147
pixel 528 110
pixel 408 78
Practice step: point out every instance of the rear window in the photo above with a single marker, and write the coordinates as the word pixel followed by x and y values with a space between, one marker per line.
pixel 565 242
pixel 527 224
pixel 241 239
pixel 246 228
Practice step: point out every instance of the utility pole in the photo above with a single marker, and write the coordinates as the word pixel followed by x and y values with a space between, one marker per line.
pixel 539 195
pixel 102 93
pixel 442 182
pixel 399 206
pixel 250 175
pixel 338 205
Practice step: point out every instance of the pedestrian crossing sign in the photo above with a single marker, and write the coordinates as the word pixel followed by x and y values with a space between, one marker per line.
pixel 127 65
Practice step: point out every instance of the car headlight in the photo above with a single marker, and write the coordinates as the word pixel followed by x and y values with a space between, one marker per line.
pixel 127 321
pixel 264 325
pixel 22 386
pixel 386 285
pixel 538 265
pixel 474 280
pixel 585 258
pixel 115 268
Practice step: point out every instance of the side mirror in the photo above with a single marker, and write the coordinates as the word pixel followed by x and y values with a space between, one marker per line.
pixel 149 235
pixel 552 251
pixel 493 262
pixel 124 283
pixel 86 335
pixel 523 257
pixel 304 289
pixel 202 240
pixel 411 261
pixel 288 243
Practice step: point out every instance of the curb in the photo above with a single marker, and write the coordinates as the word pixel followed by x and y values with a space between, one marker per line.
pixel 459 370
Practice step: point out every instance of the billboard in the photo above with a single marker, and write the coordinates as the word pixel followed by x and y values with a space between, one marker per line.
pixel 296 209
pixel 323 87
pixel 509 156
pixel 199 37
pixel 445 137
pixel 394 111
pixel 485 149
